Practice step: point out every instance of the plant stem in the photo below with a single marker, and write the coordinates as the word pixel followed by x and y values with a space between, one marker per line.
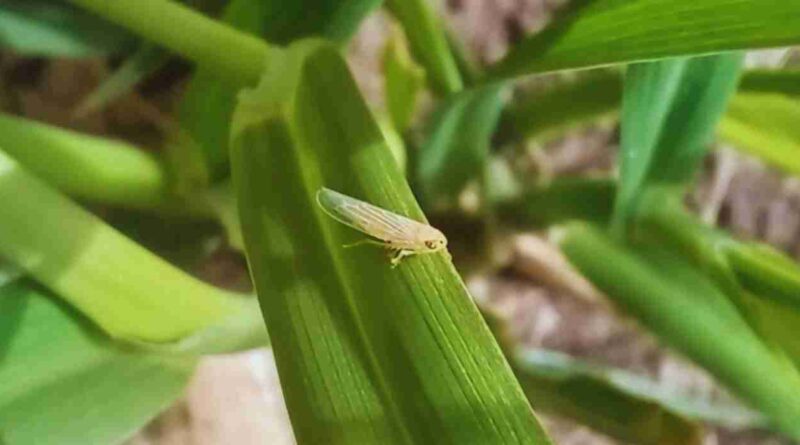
pixel 233 55
pixel 125 289
pixel 428 43
pixel 675 301
pixel 94 168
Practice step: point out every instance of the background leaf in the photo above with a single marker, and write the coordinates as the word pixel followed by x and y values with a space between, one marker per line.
pixel 669 112
pixel 403 81
pixel 766 126
pixel 146 60
pixel 690 313
pixel 62 381
pixel 429 43
pixel 207 105
pixel 625 405
pixel 365 352
pixel 457 149
pixel 589 199
pixel 55 28
pixel 591 35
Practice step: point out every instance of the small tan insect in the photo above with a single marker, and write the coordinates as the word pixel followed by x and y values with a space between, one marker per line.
pixel 402 236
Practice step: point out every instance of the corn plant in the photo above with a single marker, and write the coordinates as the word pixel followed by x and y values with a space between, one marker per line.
pixel 101 328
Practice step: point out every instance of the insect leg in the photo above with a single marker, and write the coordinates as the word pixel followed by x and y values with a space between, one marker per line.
pixel 398 255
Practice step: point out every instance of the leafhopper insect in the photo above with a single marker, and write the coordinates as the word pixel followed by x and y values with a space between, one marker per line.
pixel 400 235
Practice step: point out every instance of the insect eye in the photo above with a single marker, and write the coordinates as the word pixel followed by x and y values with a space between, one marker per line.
pixel 430 244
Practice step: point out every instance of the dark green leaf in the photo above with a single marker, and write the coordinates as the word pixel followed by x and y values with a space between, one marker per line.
pixel 555 111
pixel 604 32
pixel 560 201
pixel 669 112
pixel 772 81
pixel 54 28
pixel 429 43
pixel 457 149
pixel 597 94
pixel 366 353
pixel 207 105
pixel 62 381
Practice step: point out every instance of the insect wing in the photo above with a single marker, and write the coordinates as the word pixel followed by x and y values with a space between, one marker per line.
pixel 369 219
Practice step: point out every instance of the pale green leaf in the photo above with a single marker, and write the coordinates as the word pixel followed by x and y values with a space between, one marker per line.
pixel 62 381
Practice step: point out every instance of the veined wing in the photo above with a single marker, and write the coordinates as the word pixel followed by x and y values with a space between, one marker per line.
pixel 369 219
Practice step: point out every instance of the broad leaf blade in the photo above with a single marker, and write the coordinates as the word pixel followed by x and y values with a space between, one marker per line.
pixel 62 381
pixel 602 32
pixel 365 352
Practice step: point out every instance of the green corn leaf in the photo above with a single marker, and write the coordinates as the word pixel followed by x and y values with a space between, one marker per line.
pixel 457 149
pixel 366 353
pixel 686 310
pixel 429 44
pixel 56 29
pixel 669 112
pixel 403 81
pixel 604 32
pixel 63 381
pixel 207 104
pixel 142 63
pixel 765 125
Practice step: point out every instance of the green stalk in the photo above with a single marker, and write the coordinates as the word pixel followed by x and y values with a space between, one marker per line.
pixel 428 43
pixel 233 55
pixel 126 290
pixel 686 310
pixel 98 169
